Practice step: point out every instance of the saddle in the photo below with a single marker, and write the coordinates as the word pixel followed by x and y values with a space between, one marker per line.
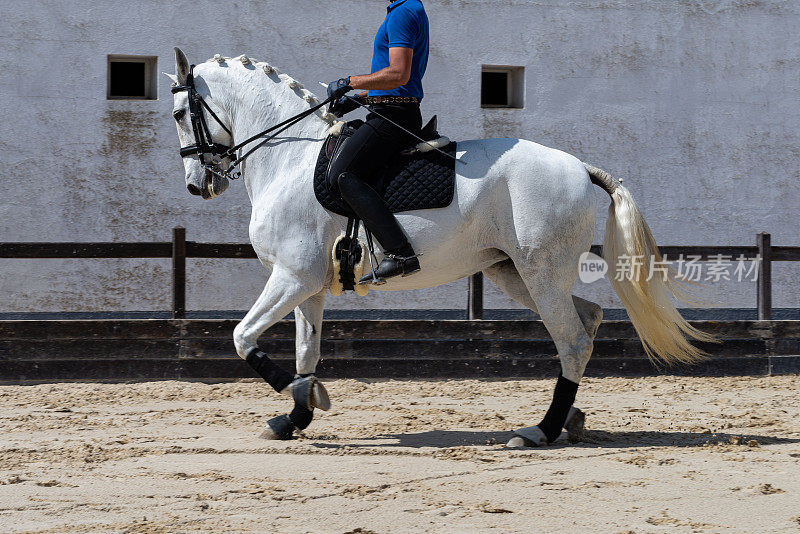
pixel 417 178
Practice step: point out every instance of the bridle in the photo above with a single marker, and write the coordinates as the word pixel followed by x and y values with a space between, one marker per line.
pixel 211 154
pixel 204 146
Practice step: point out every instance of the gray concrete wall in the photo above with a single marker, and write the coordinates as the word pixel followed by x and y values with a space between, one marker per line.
pixel 693 102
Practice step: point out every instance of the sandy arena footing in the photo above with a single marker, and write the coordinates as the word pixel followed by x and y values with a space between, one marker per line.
pixel 661 454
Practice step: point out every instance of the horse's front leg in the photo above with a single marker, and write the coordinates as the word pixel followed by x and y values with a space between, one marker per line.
pixel 308 320
pixel 283 292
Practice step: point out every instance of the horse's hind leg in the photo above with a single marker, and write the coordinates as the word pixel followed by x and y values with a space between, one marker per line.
pixel 506 277
pixel 591 314
pixel 573 339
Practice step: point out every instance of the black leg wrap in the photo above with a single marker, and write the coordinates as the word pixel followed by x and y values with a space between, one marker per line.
pixel 271 373
pixel 282 426
pixel 556 416
pixel 301 416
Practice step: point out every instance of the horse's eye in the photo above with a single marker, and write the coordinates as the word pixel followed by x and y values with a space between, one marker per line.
pixel 178 114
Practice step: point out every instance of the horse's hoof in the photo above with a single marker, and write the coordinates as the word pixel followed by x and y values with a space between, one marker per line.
pixel 269 434
pixel 575 425
pixel 517 442
pixel 280 428
pixel 309 392
pixel 530 436
pixel 319 396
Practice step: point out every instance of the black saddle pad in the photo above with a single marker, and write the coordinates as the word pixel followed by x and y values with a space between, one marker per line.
pixel 415 182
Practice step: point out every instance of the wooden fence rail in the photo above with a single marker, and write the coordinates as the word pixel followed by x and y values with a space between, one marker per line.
pixel 180 249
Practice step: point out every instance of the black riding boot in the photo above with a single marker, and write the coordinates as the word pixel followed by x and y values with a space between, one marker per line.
pixel 402 261
pixel 369 206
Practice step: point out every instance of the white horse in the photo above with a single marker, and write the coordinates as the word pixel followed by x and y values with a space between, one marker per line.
pixel 522 214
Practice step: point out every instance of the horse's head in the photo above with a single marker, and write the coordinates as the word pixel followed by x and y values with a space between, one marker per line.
pixel 203 130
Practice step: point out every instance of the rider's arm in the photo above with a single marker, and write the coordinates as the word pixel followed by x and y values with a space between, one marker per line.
pixel 395 75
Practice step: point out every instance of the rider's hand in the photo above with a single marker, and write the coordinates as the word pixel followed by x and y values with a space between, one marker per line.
pixel 344 105
pixel 339 88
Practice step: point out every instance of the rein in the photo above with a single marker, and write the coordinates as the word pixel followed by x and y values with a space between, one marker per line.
pixel 205 146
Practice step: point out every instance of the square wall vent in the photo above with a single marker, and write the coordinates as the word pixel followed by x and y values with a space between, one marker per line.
pixel 132 77
pixel 502 86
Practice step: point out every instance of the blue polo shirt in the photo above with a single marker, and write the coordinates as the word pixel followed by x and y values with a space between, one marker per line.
pixel 406 26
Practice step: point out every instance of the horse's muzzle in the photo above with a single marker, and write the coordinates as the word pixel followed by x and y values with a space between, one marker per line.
pixel 213 186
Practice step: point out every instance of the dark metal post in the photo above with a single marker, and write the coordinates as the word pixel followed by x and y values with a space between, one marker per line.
pixel 764 292
pixel 475 295
pixel 178 273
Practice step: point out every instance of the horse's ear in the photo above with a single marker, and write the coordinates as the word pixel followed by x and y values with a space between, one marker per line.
pixel 181 66
pixel 171 77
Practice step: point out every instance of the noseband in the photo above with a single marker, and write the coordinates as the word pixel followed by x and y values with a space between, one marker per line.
pixel 211 154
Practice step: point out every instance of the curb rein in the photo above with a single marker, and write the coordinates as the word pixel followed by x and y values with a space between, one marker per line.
pixel 205 146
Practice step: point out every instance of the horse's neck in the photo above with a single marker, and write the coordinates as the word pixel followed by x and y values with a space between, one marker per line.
pixel 260 101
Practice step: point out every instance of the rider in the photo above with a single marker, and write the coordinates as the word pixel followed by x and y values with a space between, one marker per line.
pixel 399 59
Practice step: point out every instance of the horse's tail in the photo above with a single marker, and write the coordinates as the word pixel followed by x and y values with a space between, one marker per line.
pixel 629 248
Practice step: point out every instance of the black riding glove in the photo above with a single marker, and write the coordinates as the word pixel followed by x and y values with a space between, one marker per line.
pixel 339 88
pixel 344 105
